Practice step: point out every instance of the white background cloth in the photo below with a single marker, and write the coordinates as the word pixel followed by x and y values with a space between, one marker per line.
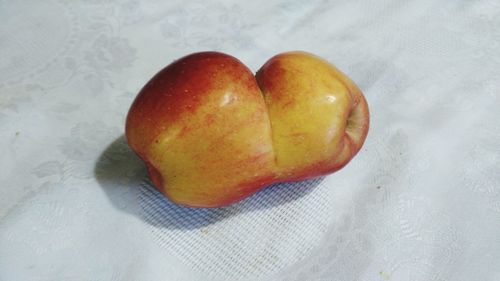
pixel 421 201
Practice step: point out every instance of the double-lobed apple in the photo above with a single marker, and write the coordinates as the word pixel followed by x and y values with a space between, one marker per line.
pixel 211 133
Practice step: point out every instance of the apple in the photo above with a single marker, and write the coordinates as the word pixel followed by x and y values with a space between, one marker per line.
pixel 211 133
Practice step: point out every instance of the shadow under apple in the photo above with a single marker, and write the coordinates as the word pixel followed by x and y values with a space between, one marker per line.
pixel 124 179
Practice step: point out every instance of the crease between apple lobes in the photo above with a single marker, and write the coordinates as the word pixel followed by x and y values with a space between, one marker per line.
pixel 212 134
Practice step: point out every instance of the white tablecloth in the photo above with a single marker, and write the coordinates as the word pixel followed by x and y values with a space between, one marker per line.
pixel 421 201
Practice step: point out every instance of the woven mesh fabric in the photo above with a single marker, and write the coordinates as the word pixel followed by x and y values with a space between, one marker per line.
pixel 271 230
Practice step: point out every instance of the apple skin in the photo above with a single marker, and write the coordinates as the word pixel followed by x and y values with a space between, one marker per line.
pixel 319 117
pixel 211 134
pixel 202 128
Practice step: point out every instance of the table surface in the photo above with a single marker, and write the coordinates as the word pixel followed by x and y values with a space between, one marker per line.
pixel 421 201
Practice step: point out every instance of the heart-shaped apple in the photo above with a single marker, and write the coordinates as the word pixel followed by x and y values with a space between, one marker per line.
pixel 212 134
